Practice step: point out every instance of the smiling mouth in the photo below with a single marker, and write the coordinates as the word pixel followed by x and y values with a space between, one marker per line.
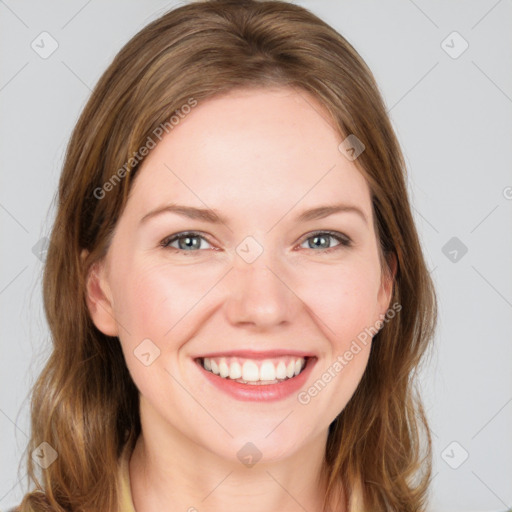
pixel 255 371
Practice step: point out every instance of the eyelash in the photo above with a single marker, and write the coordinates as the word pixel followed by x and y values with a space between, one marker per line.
pixel 344 241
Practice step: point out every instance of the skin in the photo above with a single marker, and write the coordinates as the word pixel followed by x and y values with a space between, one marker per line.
pixel 258 157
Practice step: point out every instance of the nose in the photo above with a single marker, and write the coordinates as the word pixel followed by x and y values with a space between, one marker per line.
pixel 260 295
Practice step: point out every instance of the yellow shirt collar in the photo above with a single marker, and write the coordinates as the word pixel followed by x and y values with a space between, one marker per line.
pixel 125 493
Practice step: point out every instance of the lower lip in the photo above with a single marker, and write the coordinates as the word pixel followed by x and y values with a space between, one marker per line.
pixel 260 392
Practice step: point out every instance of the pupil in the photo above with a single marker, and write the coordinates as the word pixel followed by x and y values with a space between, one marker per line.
pixel 317 238
pixel 190 241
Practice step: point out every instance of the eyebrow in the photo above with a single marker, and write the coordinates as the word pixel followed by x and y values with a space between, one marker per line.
pixel 209 215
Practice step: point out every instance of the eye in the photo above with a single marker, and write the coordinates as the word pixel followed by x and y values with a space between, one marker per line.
pixel 187 241
pixel 191 241
pixel 320 240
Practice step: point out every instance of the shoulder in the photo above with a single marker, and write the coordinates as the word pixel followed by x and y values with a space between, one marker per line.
pixel 36 501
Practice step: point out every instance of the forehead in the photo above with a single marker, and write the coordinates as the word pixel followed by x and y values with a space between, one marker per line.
pixel 260 148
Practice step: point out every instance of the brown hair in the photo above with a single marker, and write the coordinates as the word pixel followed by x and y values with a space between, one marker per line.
pixel 84 403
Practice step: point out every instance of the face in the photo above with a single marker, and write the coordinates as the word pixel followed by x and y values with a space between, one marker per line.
pixel 251 284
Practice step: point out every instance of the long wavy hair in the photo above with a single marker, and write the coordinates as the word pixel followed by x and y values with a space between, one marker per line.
pixel 84 403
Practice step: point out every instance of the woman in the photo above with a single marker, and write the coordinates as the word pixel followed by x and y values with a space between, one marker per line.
pixel 235 287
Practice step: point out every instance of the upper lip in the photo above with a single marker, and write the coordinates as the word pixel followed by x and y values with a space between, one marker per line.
pixel 255 354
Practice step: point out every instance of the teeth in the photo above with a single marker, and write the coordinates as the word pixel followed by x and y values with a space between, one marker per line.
pixel 281 370
pixel 223 368
pixel 252 371
pixel 290 369
pixel 267 371
pixel 235 371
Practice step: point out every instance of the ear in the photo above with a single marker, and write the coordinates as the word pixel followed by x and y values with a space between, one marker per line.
pixel 99 298
pixel 387 282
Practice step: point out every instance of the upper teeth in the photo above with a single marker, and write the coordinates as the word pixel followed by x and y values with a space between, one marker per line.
pixel 253 370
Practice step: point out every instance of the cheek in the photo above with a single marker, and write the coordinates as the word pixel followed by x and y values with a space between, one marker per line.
pixel 343 303
pixel 157 300
pixel 343 300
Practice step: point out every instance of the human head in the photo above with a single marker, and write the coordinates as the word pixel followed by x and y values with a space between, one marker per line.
pixel 202 51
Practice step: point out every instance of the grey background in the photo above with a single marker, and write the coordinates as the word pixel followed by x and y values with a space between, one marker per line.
pixel 453 117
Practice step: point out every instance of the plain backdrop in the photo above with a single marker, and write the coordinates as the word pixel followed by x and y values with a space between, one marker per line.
pixel 444 69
